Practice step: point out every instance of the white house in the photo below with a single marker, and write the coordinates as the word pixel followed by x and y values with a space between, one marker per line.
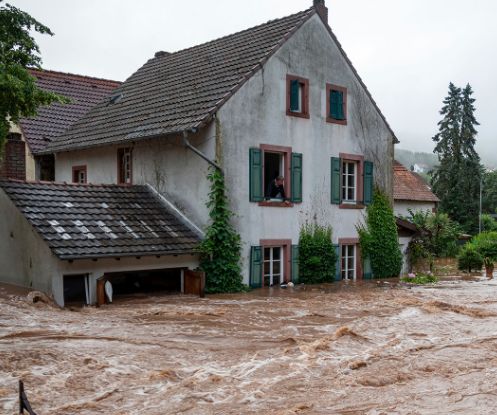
pixel 279 99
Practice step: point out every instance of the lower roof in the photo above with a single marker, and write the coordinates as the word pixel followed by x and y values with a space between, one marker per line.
pixel 80 221
pixel 410 186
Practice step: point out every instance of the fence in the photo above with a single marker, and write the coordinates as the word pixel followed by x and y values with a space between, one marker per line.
pixel 23 401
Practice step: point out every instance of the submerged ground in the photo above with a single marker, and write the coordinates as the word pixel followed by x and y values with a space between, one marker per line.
pixel 373 348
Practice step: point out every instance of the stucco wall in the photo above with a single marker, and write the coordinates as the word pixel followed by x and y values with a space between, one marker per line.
pixel 401 207
pixel 256 115
pixel 25 259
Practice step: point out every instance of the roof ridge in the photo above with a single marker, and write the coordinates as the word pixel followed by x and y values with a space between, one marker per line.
pixel 66 74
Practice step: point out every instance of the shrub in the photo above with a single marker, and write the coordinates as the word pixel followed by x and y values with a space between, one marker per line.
pixel 317 257
pixel 470 259
pixel 486 244
pixel 378 238
pixel 420 279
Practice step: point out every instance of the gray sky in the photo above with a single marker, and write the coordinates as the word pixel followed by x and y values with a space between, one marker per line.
pixel 406 51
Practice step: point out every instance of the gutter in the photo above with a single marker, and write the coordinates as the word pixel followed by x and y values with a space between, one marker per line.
pixel 188 145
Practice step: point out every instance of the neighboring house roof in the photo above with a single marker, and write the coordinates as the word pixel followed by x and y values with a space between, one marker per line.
pixel 410 186
pixel 51 121
pixel 96 221
pixel 180 91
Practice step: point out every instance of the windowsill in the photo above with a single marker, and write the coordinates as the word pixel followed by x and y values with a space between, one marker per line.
pixel 335 121
pixel 351 206
pixel 275 203
pixel 297 114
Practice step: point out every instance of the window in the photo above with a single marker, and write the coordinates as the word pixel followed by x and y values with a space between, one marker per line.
pixel 297 102
pixel 351 181
pixel 125 166
pixel 273 266
pixel 267 163
pixel 348 262
pixel 336 104
pixel 79 174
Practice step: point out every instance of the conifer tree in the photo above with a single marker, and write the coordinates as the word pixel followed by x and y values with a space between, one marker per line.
pixel 456 181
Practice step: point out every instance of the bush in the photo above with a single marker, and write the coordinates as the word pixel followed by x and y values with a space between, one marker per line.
pixel 420 279
pixel 378 238
pixel 317 257
pixel 486 244
pixel 470 259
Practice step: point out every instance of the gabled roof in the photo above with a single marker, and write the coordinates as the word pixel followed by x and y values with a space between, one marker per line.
pixel 53 120
pixel 90 221
pixel 174 92
pixel 408 185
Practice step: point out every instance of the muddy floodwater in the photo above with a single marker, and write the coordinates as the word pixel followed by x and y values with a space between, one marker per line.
pixel 371 348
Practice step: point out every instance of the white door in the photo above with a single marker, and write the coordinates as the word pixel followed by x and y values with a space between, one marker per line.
pixel 273 265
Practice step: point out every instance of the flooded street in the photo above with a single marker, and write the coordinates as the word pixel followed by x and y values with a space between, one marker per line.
pixel 372 348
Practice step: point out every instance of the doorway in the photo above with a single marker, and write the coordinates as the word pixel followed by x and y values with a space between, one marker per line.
pixel 76 289
pixel 273 265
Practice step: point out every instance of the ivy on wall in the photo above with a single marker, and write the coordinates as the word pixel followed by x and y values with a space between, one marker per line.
pixel 317 257
pixel 378 238
pixel 221 248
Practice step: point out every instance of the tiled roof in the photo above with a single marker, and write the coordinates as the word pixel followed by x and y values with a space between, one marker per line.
pixel 53 120
pixel 408 185
pixel 174 92
pixel 90 221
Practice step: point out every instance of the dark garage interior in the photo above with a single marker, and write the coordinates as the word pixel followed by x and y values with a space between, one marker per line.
pixel 149 281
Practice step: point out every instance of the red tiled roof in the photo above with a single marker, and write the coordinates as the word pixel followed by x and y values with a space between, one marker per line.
pixel 408 185
pixel 83 91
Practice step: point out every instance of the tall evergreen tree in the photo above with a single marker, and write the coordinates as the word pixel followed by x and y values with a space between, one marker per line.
pixel 456 181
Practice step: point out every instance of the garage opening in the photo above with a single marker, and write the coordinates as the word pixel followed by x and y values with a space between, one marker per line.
pixel 76 289
pixel 146 282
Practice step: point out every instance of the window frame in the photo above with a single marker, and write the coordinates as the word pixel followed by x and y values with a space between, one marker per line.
pixel 286 153
pixel 271 263
pixel 359 180
pixel 304 82
pixel 121 152
pixel 329 119
pixel 358 272
pixel 76 170
pixel 285 256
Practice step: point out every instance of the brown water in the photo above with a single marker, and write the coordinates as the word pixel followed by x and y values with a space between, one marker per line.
pixel 373 348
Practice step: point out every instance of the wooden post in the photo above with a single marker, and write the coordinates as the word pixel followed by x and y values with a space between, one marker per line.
pixel 21 392
pixel 101 291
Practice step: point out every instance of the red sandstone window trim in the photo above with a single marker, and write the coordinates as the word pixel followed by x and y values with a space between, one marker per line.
pixel 286 245
pixel 329 119
pixel 358 260
pixel 287 154
pixel 75 174
pixel 359 160
pixel 304 82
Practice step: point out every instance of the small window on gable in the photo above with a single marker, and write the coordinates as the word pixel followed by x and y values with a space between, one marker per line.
pixel 125 165
pixel 297 103
pixel 79 174
pixel 336 104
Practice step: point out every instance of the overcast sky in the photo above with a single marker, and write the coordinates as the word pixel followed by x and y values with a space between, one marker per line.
pixel 406 51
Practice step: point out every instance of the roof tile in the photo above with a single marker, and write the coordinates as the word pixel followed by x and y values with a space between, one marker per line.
pixel 408 185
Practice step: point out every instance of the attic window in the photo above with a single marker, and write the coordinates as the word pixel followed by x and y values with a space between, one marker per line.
pixel 336 104
pixel 297 96
pixel 114 99
pixel 125 165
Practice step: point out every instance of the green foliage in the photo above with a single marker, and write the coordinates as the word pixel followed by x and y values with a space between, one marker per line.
pixel 420 279
pixel 469 259
pixel 378 238
pixel 19 95
pixel 486 244
pixel 488 223
pixel 489 192
pixel 317 257
pixel 457 179
pixel 437 237
pixel 220 250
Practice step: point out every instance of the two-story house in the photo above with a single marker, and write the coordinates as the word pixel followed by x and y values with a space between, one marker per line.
pixel 279 100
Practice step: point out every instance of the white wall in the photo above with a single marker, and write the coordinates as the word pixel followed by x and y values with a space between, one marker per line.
pixel 401 207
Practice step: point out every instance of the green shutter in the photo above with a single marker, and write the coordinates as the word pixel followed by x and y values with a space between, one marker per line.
pixel 336 105
pixel 256 191
pixel 294 95
pixel 335 180
pixel 256 267
pixel 368 271
pixel 368 182
pixel 338 270
pixel 296 167
pixel 295 264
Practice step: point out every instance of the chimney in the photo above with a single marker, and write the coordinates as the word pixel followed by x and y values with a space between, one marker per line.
pixel 321 9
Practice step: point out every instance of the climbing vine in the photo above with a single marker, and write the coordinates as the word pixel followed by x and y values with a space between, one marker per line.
pixel 317 257
pixel 220 250
pixel 378 238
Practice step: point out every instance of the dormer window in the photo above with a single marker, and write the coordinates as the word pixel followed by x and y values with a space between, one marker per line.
pixel 297 102
pixel 125 165
pixel 79 174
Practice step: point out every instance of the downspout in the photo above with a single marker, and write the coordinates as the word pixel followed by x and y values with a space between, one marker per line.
pixel 187 144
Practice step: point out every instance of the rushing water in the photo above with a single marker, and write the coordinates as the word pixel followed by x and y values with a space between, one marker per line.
pixel 372 348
